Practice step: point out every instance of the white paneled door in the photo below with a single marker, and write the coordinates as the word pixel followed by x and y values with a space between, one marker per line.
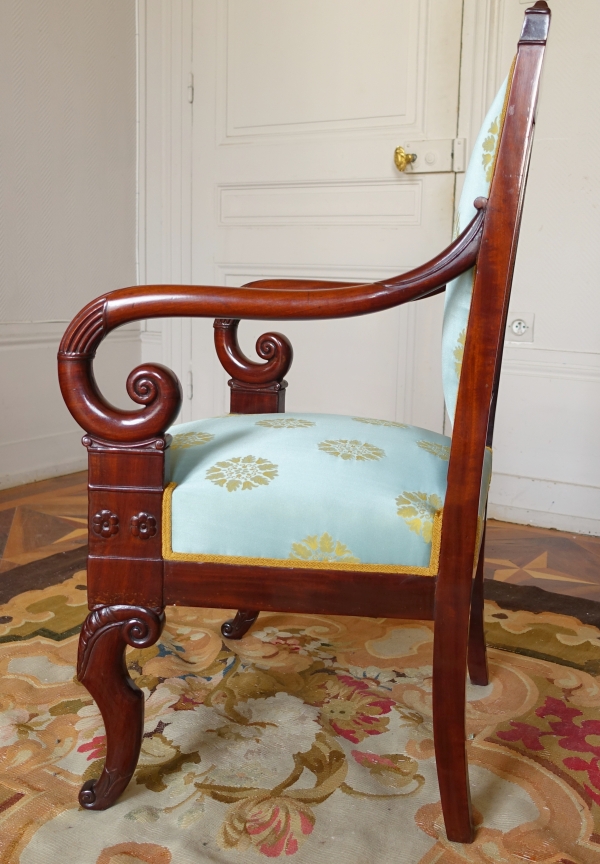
pixel 298 108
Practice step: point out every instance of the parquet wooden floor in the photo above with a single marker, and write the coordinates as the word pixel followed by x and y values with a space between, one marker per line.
pixel 552 560
pixel 43 519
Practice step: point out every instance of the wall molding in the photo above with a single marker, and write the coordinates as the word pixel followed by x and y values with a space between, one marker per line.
pixel 39 439
pixel 528 435
pixel 385 202
pixel 549 363
pixel 480 76
pixel 233 275
pixel 165 171
pixel 545 503
pixel 14 334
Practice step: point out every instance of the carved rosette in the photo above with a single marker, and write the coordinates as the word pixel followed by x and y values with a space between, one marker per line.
pixel 105 523
pixel 143 525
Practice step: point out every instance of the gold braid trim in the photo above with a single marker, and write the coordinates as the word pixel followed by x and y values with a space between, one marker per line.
pixel 293 564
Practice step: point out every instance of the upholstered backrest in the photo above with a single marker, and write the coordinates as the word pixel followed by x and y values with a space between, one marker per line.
pixel 478 180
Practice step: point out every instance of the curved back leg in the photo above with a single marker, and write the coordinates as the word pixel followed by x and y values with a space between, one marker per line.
pixel 477 657
pixel 451 637
pixel 237 627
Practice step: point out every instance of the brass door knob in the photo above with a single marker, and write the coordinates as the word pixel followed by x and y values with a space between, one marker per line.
pixel 402 158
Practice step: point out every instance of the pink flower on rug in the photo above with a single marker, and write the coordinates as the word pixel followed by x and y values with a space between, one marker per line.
pixel 97 748
pixel 350 707
pixel 574 736
pixel 529 735
pixel 394 769
pixel 273 826
pixel 571 736
pixel 576 763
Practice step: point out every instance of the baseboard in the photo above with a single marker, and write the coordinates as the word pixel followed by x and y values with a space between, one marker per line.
pixel 38 437
pixel 545 503
pixel 43 472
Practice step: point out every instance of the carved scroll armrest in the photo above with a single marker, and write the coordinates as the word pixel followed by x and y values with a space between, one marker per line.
pixel 157 389
pixel 153 386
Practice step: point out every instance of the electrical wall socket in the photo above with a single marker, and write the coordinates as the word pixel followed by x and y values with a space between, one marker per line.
pixel 519 327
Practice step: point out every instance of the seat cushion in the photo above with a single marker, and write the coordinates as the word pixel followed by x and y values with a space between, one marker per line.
pixel 306 490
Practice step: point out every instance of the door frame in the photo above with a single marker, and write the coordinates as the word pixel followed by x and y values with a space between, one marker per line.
pixel 164 173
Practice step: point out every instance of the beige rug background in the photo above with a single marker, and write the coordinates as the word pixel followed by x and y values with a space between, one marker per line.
pixel 309 740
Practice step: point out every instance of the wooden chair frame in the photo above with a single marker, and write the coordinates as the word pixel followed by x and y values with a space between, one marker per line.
pixel 129 583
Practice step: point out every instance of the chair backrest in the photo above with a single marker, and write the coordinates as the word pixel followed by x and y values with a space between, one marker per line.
pixel 489 299
pixel 478 180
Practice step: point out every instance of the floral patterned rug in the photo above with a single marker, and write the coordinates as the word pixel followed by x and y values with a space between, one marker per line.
pixel 309 740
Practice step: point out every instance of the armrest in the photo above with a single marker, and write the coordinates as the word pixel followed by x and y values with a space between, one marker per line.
pixel 287 284
pixel 304 284
pixel 157 389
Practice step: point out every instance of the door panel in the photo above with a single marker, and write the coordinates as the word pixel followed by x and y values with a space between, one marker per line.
pixel 340 64
pixel 298 109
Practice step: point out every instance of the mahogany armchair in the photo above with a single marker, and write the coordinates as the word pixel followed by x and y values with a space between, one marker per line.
pixel 414 549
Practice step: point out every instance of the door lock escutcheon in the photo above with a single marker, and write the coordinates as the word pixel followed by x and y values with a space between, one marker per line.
pixel 431 156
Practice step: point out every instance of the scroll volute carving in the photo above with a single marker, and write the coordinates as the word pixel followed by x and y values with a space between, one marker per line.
pixel 256 388
pixel 275 348
pixel 151 385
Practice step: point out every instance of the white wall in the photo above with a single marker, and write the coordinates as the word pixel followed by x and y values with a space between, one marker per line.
pixel 67 214
pixel 547 457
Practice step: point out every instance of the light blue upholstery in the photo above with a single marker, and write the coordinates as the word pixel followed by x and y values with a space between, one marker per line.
pixel 324 491
pixel 307 490
pixel 458 292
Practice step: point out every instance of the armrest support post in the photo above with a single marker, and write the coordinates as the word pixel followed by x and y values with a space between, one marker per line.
pixel 256 388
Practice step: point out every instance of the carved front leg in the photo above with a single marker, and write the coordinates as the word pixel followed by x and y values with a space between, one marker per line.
pixel 101 669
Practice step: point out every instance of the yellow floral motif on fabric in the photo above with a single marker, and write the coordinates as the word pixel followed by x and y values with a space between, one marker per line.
pixel 489 147
pixel 358 450
pixel 418 509
pixel 242 472
pixel 190 439
pixel 286 423
pixel 380 422
pixel 459 352
pixel 442 451
pixel 323 548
